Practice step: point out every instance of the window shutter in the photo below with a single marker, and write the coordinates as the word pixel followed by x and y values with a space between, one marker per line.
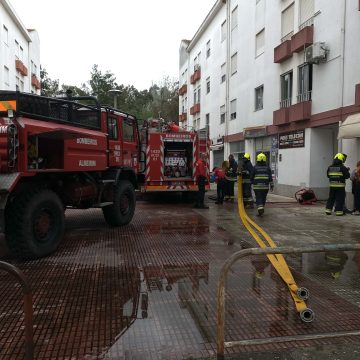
pixel 287 21
pixel 306 10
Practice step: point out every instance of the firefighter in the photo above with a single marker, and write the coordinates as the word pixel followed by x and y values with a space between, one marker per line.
pixel 200 170
pixel 246 171
pixel 220 184
pixel 261 179
pixel 230 179
pixel 337 174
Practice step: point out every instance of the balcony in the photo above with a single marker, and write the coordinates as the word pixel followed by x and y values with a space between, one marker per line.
pixel 282 52
pixel 302 39
pixel 300 111
pixel 35 82
pixel 183 117
pixel 281 116
pixel 195 109
pixel 20 67
pixel 195 76
pixel 183 90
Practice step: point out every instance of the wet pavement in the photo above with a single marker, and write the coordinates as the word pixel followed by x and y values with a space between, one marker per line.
pixel 148 290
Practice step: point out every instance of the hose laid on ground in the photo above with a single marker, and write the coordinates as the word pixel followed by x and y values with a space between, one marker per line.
pixel 277 260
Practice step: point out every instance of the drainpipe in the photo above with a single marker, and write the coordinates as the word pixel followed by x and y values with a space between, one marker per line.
pixel 228 70
pixel 342 67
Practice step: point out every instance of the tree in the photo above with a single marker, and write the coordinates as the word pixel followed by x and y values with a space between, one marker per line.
pixel 48 87
pixel 165 99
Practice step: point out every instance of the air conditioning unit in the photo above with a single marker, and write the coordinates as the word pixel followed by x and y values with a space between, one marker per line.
pixel 316 53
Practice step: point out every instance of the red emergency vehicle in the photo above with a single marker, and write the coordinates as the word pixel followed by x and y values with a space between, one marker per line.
pixel 57 154
pixel 169 154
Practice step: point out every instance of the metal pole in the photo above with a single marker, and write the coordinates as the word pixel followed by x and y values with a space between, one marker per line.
pixel 220 339
pixel 28 307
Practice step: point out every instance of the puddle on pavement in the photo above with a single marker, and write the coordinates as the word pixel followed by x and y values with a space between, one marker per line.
pixel 149 291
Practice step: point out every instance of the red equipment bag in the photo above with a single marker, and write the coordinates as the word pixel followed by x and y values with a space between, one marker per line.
pixel 305 196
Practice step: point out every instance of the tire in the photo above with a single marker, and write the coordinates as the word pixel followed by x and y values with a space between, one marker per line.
pixel 35 224
pixel 122 210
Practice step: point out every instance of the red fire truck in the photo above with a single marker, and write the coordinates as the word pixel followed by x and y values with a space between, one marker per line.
pixel 59 153
pixel 169 154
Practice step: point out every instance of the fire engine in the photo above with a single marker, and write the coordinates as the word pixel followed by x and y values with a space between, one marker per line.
pixel 168 157
pixel 58 153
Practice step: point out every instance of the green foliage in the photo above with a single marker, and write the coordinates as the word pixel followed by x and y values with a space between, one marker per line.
pixel 161 100
pixel 48 87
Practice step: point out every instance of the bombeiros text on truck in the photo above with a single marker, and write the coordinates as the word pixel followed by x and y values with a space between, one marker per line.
pixel 58 153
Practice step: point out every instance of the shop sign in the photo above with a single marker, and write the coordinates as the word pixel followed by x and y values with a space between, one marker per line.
pixel 294 139
pixel 254 133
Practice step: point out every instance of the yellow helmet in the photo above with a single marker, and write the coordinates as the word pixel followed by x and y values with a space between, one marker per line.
pixel 261 157
pixel 340 157
pixel 246 156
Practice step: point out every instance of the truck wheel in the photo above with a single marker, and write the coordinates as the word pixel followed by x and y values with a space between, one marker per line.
pixel 35 224
pixel 122 210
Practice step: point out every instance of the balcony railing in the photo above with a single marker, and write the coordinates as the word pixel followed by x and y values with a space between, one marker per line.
pixel 305 96
pixel 285 103
pixel 306 23
pixel 287 36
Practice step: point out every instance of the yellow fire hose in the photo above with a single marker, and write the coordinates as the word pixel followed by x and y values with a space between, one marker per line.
pixel 277 260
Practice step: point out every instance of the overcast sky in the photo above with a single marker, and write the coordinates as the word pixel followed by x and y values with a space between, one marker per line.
pixel 137 40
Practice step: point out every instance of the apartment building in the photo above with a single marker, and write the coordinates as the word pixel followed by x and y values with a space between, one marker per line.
pixel 19 53
pixel 277 76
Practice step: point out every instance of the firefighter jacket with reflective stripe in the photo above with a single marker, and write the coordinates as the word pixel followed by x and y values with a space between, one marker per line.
pixel 337 174
pixel 246 171
pixel 261 177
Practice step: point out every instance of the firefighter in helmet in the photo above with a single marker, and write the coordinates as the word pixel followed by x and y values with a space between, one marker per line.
pixel 261 179
pixel 337 174
pixel 246 171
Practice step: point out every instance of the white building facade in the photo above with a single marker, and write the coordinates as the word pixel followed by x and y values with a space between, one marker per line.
pixel 276 76
pixel 19 53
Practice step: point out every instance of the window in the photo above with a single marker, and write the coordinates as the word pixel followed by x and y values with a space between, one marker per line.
pixel 6 76
pixel 208 85
pixel 286 89
pixel 198 123
pixel 197 93
pixel 128 130
pixel 207 119
pixel 306 12
pixel 6 35
pixel 234 18
pixel 260 42
pixel 112 128
pixel 223 73
pixel 21 55
pixel 234 64
pixel 233 109
pixel 17 84
pixel 17 49
pixel 304 83
pixel 259 93
pixel 223 31
pixel 222 114
pixel 287 22
pixel 208 49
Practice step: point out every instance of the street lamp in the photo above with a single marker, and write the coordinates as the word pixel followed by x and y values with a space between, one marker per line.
pixel 115 92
